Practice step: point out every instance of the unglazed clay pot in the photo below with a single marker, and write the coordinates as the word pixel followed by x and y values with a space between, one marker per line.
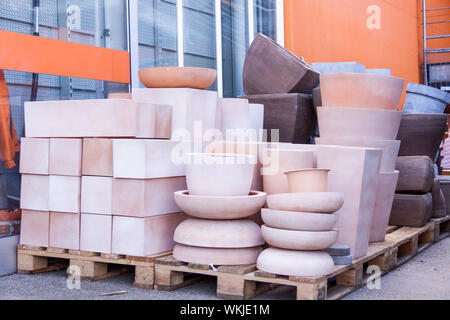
pixel 317 97
pixel 216 256
pixel 387 182
pixel 411 210
pixel 119 95
pixel 270 68
pixel 299 240
pixel 421 134
pixel 317 202
pixel 350 123
pixel 295 263
pixel 178 77
pixel 390 148
pixel 359 90
pixel 308 180
pixel 213 174
pixel 299 221
pixel 220 208
pixel 218 234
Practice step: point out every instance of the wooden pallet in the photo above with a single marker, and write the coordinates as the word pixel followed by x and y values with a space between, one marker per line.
pixel 246 282
pixel 92 265
pixel 442 228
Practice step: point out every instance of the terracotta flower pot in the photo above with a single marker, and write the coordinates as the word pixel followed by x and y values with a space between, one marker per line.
pixel 319 202
pixel 421 134
pixel 299 240
pixel 350 123
pixel 210 174
pixel 177 77
pixel 270 68
pixel 220 208
pixel 425 99
pixel 308 180
pixel 361 90
pixel 295 263
pixel 298 221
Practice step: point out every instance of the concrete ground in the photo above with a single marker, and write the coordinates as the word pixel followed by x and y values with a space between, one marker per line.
pixel 426 276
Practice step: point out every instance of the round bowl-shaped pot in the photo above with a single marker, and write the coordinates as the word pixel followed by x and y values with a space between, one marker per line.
pixel 295 263
pixel 299 240
pixel 361 90
pixel 425 99
pixel 308 180
pixel 421 134
pixel 120 95
pixel 359 123
pixel 220 208
pixel 178 77
pixel 216 256
pixel 299 221
pixel 390 148
pixel 315 202
pixel 218 234
pixel 211 174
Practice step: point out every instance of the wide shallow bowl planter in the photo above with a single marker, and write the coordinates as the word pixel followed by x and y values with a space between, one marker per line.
pixel 220 208
pixel 361 90
pixel 308 180
pixel 316 202
pixel 216 256
pixel 214 174
pixel 218 234
pixel 299 221
pixel 350 123
pixel 425 99
pixel 390 148
pixel 295 263
pixel 421 134
pixel 299 240
pixel 178 77
pixel 270 68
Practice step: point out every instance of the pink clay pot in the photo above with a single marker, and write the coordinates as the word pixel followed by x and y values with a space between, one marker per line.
pixel 178 77
pixel 308 180
pixel 299 221
pixel 316 202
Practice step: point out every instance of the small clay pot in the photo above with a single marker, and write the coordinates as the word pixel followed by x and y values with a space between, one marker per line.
pixel 319 202
pixel 308 180
pixel 178 77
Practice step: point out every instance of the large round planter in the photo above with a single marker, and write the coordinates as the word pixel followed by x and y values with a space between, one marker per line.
pixel 425 99
pixel 308 180
pixel 316 202
pixel 177 77
pixel 350 123
pixel 210 174
pixel 383 204
pixel 270 68
pixel 421 134
pixel 361 90
pixel 218 234
pixel 390 148
pixel 295 263
pixel 216 256
pixel 220 208
pixel 299 221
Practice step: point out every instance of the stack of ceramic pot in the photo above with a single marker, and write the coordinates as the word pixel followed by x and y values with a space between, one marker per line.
pixel 360 110
pixel 299 225
pixel 219 201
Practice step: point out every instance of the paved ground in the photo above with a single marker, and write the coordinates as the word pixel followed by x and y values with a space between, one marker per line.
pixel 426 276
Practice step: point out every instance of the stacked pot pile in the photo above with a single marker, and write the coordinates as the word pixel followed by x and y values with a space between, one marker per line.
pixel 299 225
pixel 219 201
pixel 360 110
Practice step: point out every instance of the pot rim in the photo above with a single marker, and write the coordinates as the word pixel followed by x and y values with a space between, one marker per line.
pixel 177 68
pixel 306 170
pixel 252 194
pixel 366 75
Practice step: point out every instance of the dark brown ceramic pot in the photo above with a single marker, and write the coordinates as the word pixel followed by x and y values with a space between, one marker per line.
pixel 411 210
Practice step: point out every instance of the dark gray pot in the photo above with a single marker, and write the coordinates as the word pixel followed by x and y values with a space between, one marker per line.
pixel 425 99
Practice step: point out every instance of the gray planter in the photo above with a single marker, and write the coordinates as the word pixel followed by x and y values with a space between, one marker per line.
pixel 8 255
pixel 425 99
pixel 339 67
pixel 386 72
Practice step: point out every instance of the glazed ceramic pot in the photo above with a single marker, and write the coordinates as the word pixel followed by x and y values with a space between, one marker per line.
pixel 216 256
pixel 295 263
pixel 177 77
pixel 411 210
pixel 425 99
pixel 387 182
pixel 316 202
pixel 277 161
pixel 421 134
pixel 390 148
pixel 220 208
pixel 299 221
pixel 270 68
pixel 211 174
pixel 361 90
pixel 350 123
pixel 308 180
